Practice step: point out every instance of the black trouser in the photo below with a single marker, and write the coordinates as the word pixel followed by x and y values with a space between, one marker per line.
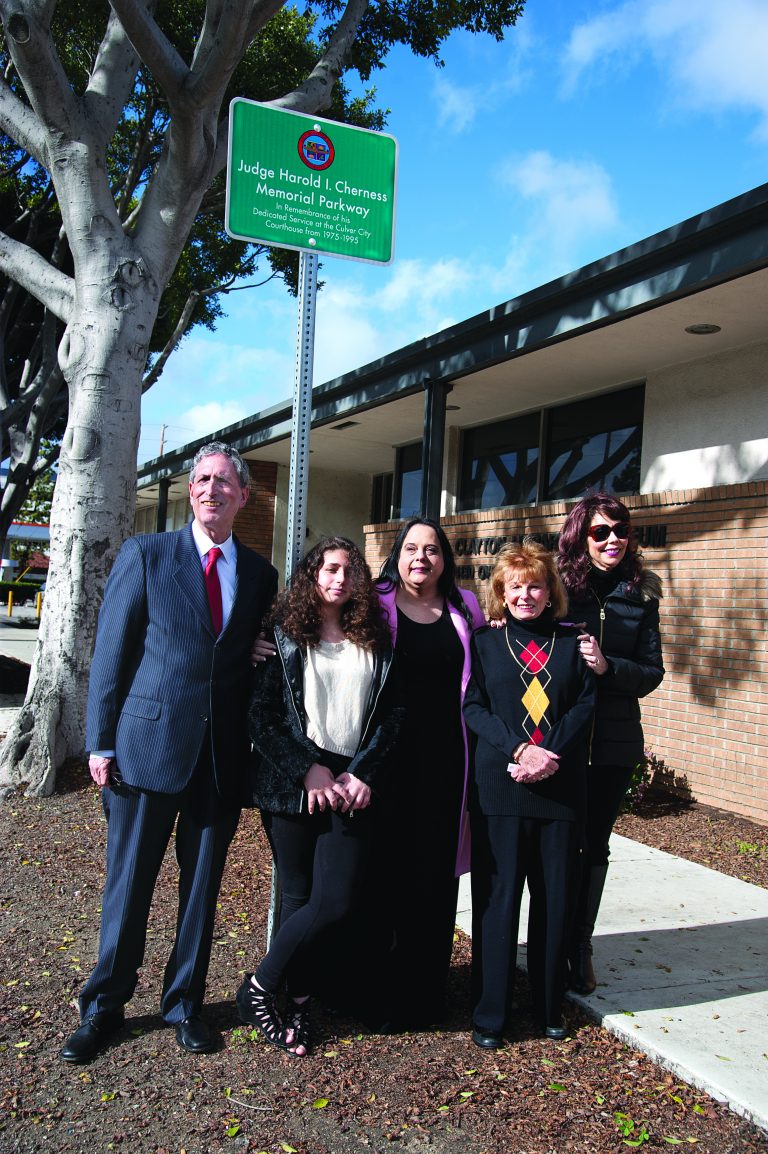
pixel 507 851
pixel 607 786
pixel 321 864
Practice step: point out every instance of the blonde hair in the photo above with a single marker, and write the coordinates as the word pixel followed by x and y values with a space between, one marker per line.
pixel 532 562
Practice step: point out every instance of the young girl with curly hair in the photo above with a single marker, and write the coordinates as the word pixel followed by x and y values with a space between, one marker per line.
pixel 322 721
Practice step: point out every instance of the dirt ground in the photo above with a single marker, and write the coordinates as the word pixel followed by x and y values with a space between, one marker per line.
pixel 434 1093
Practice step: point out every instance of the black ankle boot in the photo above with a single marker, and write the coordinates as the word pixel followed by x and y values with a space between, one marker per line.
pixel 581 977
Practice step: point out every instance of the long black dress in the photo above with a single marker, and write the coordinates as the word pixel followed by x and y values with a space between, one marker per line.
pixel 422 823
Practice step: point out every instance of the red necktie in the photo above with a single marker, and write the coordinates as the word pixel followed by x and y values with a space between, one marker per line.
pixel 213 587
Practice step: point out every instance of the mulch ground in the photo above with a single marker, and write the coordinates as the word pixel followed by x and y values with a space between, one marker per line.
pixel 429 1092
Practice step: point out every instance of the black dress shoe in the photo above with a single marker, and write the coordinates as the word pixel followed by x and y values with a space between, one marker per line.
pixel 192 1034
pixel 91 1036
pixel 487 1041
pixel 558 1030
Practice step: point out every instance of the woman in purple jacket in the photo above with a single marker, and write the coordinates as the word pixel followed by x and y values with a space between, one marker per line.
pixel 425 845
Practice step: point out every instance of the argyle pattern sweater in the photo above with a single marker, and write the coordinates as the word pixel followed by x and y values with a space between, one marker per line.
pixel 529 683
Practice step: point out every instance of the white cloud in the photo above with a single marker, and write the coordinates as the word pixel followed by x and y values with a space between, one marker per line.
pixel 202 419
pixel 712 54
pixel 569 201
pixel 457 106
pixel 357 324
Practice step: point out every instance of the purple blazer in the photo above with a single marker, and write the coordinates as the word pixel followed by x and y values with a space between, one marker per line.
pixel 388 600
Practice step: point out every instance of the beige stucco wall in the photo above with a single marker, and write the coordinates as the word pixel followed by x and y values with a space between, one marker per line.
pixel 706 422
pixel 338 503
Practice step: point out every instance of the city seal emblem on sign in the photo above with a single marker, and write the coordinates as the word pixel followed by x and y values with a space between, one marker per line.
pixel 316 150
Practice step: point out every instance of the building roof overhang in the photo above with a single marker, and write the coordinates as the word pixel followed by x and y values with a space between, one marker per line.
pixel 606 325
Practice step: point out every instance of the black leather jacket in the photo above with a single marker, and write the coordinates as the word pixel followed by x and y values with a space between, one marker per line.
pixel 629 636
pixel 283 751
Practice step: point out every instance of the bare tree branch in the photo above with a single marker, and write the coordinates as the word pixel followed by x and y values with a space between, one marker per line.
pixel 19 122
pixel 153 47
pixel 263 10
pixel 139 160
pixel 222 45
pixel 112 79
pixel 28 36
pixel 182 324
pixel 178 332
pixel 316 91
pixel 35 274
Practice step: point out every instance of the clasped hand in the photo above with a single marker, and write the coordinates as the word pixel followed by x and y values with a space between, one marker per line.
pixel 535 764
pixel 345 792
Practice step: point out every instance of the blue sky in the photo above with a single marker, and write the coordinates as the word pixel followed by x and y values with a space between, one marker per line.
pixel 593 125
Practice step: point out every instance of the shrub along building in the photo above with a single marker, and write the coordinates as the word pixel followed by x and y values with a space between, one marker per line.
pixel 645 374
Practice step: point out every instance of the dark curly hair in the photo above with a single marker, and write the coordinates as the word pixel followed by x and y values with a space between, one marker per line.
pixel 389 577
pixel 297 608
pixel 573 552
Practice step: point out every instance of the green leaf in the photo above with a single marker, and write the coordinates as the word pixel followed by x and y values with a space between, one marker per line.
pixel 557 1087
pixel 109 1096
pixel 232 1130
pixel 673 1141
pixel 442 1109
pixel 288 1149
pixel 697 1109
pixel 320 1103
pixel 467 1094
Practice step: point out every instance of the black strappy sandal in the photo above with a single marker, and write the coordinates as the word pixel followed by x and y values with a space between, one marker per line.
pixel 257 1007
pixel 297 1020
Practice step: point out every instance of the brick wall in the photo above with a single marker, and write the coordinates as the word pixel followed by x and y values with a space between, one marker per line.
pixel 254 524
pixel 709 718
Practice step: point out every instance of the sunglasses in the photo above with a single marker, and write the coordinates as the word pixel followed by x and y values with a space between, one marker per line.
pixel 603 532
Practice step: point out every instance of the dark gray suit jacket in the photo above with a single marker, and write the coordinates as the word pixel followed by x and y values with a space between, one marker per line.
pixel 160 678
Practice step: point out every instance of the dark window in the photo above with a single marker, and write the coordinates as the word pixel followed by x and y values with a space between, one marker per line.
pixel 381 497
pixel 595 444
pixel 407 497
pixel 555 454
pixel 499 464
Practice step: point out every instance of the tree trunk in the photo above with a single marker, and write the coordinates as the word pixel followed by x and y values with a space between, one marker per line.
pixel 102 355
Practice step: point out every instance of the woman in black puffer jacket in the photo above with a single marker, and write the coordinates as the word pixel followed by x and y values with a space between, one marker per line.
pixel 617 598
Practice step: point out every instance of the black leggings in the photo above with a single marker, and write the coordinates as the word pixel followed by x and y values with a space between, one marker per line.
pixel 321 863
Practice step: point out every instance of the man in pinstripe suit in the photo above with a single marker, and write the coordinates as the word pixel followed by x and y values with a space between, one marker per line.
pixel 167 730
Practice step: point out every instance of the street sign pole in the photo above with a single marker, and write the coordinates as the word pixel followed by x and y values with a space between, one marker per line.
pixel 302 414
pixel 301 423
pixel 315 185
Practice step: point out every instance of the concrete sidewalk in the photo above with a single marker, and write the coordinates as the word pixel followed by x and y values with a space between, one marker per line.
pixel 18 639
pixel 681 955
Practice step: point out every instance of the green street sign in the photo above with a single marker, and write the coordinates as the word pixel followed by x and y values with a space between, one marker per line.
pixel 298 181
